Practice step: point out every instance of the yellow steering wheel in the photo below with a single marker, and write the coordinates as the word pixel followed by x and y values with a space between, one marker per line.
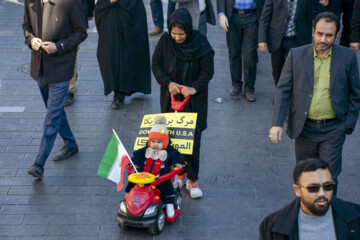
pixel 141 178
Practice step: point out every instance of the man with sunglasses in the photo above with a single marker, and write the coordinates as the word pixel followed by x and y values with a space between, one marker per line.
pixel 315 213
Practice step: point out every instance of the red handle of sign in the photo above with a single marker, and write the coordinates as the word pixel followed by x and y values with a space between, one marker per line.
pixel 178 105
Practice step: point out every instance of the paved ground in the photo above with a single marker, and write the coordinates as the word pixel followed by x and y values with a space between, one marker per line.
pixel 242 175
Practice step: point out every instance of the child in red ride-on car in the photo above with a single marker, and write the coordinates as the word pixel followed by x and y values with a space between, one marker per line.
pixel 158 158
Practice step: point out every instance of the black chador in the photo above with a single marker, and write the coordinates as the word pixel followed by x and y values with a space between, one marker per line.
pixel 123 47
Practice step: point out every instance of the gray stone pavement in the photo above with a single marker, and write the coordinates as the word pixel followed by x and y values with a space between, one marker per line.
pixel 243 176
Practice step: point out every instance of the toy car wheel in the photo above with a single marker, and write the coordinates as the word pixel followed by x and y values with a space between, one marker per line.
pixel 178 201
pixel 122 226
pixel 160 222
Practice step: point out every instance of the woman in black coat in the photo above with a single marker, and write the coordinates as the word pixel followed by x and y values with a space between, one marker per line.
pixel 184 58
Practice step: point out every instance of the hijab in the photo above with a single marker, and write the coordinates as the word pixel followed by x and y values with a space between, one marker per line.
pixel 196 44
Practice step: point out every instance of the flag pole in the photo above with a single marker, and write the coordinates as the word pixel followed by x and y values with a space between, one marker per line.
pixel 128 155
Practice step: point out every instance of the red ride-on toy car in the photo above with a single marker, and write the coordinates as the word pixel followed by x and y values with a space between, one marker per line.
pixel 142 206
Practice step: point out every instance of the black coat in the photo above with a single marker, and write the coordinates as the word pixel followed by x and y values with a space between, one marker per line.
pixel 283 224
pixel 123 46
pixel 61 22
pixel 355 23
pixel 273 21
pixel 165 70
pixel 296 85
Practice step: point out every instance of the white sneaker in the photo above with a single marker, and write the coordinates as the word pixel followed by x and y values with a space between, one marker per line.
pixel 193 187
pixel 170 212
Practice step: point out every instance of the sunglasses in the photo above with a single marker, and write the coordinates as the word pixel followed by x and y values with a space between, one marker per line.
pixel 314 188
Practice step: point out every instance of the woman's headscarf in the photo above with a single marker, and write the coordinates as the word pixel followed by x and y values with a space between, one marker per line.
pixel 196 45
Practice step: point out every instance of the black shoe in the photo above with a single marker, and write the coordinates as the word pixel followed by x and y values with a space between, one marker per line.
pixel 116 104
pixel 36 171
pixel 65 153
pixel 69 99
pixel 118 100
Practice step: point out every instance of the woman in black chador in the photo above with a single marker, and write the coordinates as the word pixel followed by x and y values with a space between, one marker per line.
pixel 123 48
pixel 184 58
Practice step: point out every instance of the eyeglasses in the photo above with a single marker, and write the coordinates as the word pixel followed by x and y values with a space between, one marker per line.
pixel 329 186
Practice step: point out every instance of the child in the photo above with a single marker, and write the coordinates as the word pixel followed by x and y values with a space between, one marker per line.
pixel 157 158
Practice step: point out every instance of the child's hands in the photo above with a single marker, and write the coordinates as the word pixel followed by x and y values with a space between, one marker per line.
pixel 178 165
pixel 131 166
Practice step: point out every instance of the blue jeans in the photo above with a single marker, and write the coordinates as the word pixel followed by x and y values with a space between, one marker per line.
pixel 157 12
pixel 54 95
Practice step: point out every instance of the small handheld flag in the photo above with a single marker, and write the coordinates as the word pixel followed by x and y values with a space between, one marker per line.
pixel 114 162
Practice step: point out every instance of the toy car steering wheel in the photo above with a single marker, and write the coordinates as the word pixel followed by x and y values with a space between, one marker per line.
pixel 178 105
pixel 141 178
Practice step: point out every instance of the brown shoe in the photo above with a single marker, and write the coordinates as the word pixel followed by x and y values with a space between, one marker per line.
pixel 250 96
pixel 156 30
pixel 235 90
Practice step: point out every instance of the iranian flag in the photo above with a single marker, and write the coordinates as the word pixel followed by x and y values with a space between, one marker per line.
pixel 114 162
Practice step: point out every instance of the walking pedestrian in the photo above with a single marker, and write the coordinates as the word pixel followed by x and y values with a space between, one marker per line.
pixel 123 48
pixel 88 8
pixel 184 58
pixel 284 25
pixel 53 32
pixel 319 91
pixel 239 19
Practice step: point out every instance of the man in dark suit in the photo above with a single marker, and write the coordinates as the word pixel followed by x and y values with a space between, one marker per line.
pixel 319 90
pixel 239 19
pixel 283 25
pixel 53 29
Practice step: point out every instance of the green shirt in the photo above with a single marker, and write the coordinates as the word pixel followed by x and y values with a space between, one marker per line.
pixel 321 105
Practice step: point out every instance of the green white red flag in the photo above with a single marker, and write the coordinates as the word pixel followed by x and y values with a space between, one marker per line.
pixel 114 162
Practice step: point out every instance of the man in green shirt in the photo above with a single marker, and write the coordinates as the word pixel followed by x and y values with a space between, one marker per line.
pixel 319 91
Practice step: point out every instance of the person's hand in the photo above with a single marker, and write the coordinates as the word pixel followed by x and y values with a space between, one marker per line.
pixel 89 18
pixel 355 45
pixel 324 2
pixel 224 23
pixel 275 134
pixel 262 46
pixel 178 165
pixel 187 91
pixel 174 88
pixel 36 43
pixel 49 47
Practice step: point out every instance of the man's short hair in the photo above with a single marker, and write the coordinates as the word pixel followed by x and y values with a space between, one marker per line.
pixel 308 165
pixel 329 17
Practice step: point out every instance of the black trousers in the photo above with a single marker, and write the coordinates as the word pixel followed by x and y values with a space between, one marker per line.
pixel 278 57
pixel 346 8
pixel 193 161
pixel 323 141
pixel 242 43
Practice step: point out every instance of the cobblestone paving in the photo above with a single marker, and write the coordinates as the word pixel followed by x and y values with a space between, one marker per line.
pixel 243 176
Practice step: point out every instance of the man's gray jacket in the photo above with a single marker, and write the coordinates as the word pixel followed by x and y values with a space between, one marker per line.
pixel 296 85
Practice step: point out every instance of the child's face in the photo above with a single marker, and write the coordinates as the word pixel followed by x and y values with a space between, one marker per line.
pixel 156 144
